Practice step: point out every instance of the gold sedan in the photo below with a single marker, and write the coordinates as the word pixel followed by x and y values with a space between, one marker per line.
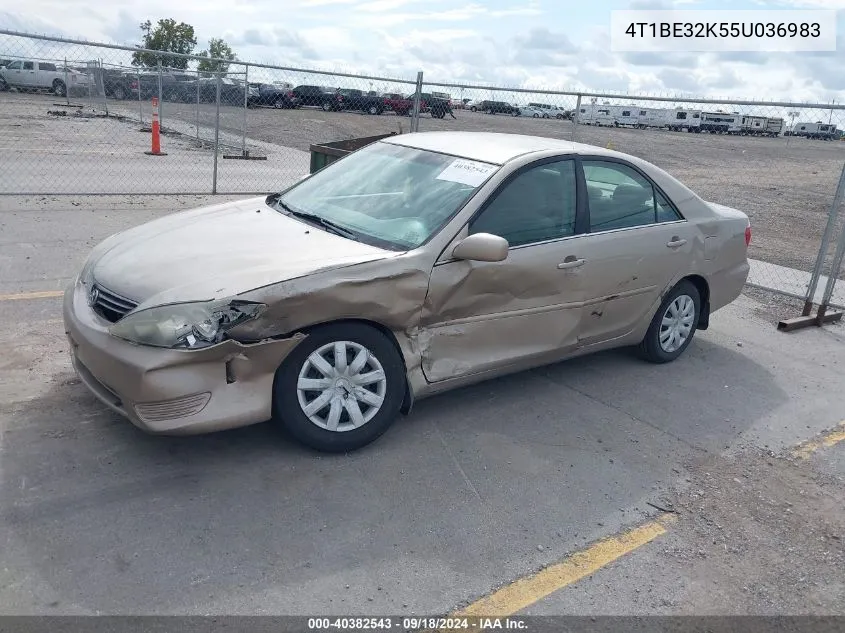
pixel 420 263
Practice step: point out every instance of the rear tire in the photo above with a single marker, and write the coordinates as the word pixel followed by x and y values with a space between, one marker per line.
pixel 59 88
pixel 673 326
pixel 359 411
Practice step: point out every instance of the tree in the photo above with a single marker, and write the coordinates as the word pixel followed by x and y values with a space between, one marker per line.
pixel 217 49
pixel 166 36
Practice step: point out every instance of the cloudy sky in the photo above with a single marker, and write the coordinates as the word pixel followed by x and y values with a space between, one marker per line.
pixel 518 43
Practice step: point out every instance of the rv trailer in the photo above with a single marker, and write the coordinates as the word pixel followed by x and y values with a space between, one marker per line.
pixel 817 130
pixel 720 122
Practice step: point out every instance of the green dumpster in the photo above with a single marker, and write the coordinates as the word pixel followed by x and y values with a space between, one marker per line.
pixel 325 153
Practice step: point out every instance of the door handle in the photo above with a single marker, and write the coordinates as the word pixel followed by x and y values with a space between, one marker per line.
pixel 571 262
pixel 675 242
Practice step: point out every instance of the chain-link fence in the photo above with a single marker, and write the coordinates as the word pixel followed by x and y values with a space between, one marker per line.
pixel 76 119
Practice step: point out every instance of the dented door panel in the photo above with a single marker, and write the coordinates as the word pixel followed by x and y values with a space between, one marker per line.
pixel 625 272
pixel 480 316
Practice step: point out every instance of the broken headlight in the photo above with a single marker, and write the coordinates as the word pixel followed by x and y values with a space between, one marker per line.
pixel 185 325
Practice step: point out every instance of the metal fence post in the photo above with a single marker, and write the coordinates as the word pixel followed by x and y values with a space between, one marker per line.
pixel 575 116
pixel 415 119
pixel 832 277
pixel 246 107
pixel 198 107
pixel 825 243
pixel 160 100
pixel 102 85
pixel 216 136
pixel 140 102
pixel 67 85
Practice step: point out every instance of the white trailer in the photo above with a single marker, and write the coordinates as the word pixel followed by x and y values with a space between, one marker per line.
pixel 682 120
pixel 596 114
pixel 721 122
pixel 774 126
pixel 818 130
pixel 752 125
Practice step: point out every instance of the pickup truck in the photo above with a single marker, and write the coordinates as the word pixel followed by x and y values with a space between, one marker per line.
pixel 319 96
pixel 31 75
pixel 399 103
pixel 358 100
pixel 403 105
pixel 277 95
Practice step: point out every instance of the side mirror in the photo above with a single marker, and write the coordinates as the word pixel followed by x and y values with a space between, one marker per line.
pixel 482 247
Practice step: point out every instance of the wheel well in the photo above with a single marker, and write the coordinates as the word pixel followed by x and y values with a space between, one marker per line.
pixel 408 401
pixel 703 288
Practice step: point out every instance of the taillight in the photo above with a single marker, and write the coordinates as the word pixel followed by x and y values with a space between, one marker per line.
pixel 748 234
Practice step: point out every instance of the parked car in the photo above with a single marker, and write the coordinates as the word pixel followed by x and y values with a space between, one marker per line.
pixel 277 95
pixel 551 111
pixel 31 75
pixel 383 278
pixel 318 96
pixel 231 91
pixel 118 83
pixel 359 100
pixel 529 111
pixel 171 85
pixel 497 107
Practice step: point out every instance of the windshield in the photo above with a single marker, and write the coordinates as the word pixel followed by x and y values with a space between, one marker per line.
pixel 389 195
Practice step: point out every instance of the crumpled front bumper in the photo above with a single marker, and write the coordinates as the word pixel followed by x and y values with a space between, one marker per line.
pixel 173 391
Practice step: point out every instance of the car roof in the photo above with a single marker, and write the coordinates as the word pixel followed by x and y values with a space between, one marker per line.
pixel 492 147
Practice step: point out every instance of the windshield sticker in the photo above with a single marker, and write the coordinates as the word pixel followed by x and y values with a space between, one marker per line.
pixel 467 172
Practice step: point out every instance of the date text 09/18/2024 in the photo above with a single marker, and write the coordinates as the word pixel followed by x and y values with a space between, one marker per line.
pixel 413 623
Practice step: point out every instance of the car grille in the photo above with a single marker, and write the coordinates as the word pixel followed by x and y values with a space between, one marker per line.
pixel 112 307
pixel 172 409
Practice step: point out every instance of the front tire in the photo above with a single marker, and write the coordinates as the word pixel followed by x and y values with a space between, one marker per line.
pixel 673 325
pixel 341 388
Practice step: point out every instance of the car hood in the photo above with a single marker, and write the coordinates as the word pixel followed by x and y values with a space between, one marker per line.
pixel 217 252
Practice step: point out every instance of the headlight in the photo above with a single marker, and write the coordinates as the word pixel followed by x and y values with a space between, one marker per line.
pixel 185 325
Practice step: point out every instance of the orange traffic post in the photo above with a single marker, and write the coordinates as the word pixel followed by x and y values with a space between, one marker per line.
pixel 156 148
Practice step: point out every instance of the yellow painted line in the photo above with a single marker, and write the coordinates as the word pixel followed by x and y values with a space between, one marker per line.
pixel 826 440
pixel 527 590
pixel 44 294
